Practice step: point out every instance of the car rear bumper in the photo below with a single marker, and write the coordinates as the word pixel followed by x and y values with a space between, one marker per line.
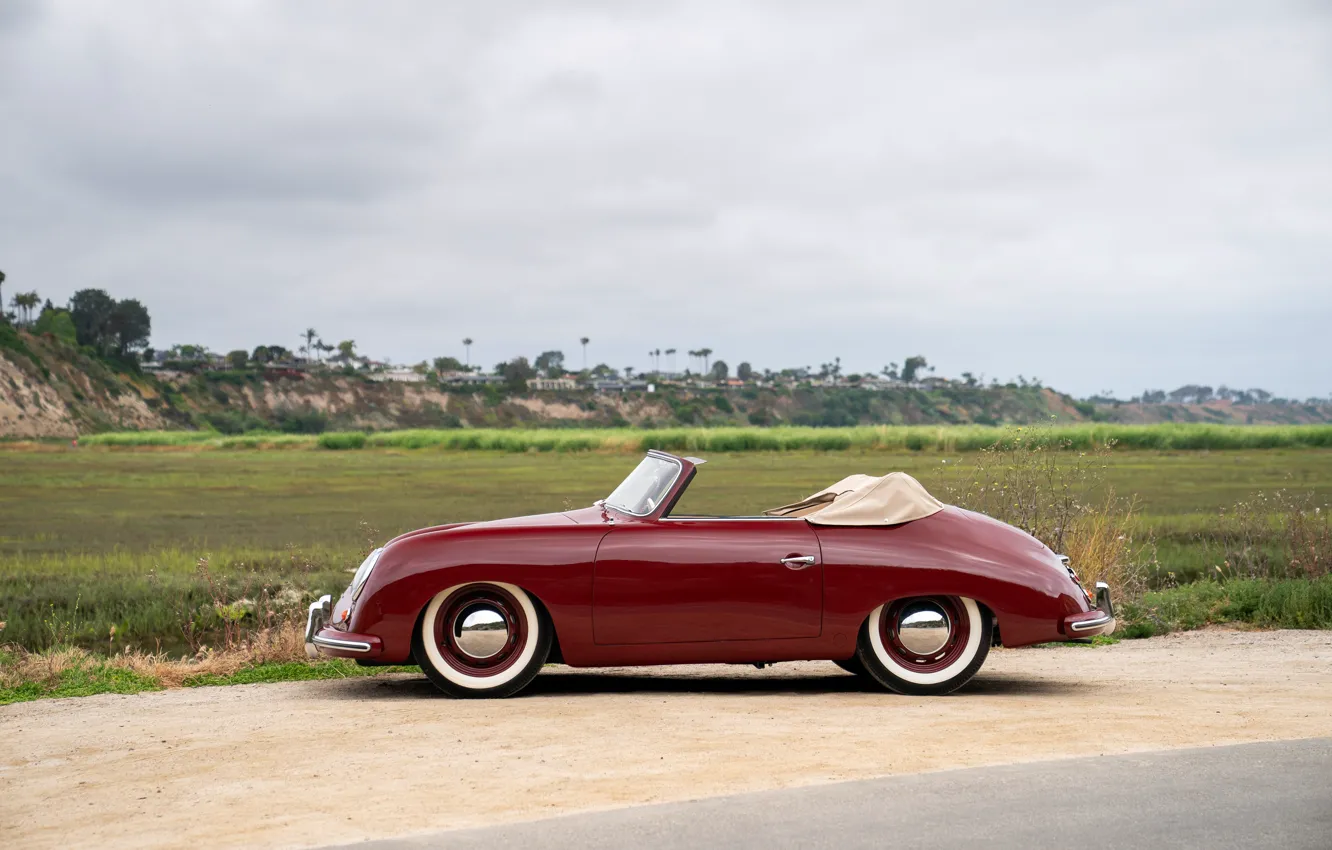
pixel 1098 621
pixel 321 639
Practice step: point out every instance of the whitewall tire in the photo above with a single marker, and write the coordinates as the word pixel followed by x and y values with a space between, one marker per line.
pixel 925 645
pixel 482 639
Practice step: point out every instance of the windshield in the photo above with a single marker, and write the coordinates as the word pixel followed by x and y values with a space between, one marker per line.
pixel 645 487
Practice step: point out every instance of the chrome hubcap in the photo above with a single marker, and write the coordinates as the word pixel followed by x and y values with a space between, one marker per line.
pixel 480 631
pixel 923 628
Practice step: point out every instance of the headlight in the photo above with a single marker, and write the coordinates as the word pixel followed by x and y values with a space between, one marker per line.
pixel 363 572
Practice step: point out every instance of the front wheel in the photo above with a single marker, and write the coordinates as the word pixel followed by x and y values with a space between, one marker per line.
pixel 925 645
pixel 486 639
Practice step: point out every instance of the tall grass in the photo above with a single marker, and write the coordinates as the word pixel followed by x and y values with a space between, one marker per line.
pixel 889 438
pixel 1062 499
pixel 166 601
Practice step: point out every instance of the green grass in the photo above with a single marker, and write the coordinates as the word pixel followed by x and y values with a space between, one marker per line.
pixel 95 539
pixel 94 676
pixel 297 671
pixel 1283 604
pixel 889 438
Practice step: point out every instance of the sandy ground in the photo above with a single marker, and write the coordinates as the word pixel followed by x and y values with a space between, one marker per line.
pixel 324 762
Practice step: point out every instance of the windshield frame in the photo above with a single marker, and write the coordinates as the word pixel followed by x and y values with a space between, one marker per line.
pixel 665 491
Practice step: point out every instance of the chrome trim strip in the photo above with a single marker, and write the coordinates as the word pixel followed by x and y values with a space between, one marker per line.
pixel 659 455
pixel 1087 625
pixel 728 518
pixel 339 643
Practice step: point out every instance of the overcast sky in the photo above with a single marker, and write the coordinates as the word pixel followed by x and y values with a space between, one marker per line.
pixel 1105 195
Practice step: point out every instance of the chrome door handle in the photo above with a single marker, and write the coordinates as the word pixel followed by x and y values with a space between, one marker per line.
pixel 798 562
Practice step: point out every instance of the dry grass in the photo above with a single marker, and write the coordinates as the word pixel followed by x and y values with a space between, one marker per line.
pixel 1062 498
pixel 1101 546
pixel 48 669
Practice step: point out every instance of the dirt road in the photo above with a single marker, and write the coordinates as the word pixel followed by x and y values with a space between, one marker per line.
pixel 326 762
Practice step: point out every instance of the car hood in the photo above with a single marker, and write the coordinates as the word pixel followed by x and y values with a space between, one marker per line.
pixel 531 521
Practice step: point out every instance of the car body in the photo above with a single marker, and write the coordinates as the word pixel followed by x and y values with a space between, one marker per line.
pixel 482 605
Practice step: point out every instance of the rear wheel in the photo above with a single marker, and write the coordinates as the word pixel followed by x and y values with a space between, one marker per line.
pixel 486 639
pixel 925 645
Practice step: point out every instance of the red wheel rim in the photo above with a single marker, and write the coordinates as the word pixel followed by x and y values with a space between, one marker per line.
pixel 959 630
pixel 471 599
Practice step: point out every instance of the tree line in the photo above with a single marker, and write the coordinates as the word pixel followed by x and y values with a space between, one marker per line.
pixel 120 330
pixel 111 329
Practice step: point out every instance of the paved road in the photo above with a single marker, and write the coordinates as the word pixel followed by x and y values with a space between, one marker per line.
pixel 1249 795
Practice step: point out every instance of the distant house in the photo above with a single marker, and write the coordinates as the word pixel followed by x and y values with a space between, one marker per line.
pixel 552 384
pixel 618 386
pixel 875 382
pixel 465 379
pixel 406 376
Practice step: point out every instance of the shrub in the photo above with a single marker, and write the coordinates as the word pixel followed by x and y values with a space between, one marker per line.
pixel 338 440
pixel 301 421
pixel 232 422
pixel 58 324
pixel 1277 534
pixel 1031 481
pixel 1283 604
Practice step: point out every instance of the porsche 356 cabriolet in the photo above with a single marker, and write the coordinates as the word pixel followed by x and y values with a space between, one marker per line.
pixel 872 573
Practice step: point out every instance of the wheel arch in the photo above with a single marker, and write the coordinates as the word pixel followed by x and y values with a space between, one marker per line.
pixel 555 656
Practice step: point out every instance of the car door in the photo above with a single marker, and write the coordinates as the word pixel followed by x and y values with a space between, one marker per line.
pixel 707 579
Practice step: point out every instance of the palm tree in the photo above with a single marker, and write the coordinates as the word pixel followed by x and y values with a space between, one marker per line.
pixel 467 347
pixel 310 334
pixel 628 373
pixel 24 302
pixel 28 301
pixel 705 353
pixel 583 341
pixel 670 352
pixel 2 294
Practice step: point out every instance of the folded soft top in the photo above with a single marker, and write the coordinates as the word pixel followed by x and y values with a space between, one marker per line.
pixel 865 500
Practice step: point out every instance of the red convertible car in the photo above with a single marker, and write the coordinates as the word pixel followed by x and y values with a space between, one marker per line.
pixel 872 573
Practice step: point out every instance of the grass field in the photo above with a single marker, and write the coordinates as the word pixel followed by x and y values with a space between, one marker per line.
pixel 888 438
pixel 92 539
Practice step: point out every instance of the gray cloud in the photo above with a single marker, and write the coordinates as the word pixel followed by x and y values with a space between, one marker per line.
pixel 1104 195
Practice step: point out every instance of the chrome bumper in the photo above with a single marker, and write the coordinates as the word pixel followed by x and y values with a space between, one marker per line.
pixel 1105 623
pixel 320 611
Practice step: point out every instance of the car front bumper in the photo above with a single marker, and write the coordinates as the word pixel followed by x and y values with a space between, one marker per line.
pixel 1098 621
pixel 322 639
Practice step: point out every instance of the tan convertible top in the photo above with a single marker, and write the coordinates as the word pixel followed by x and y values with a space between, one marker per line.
pixel 865 500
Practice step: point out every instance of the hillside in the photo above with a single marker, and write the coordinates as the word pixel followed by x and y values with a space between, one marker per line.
pixel 50 389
